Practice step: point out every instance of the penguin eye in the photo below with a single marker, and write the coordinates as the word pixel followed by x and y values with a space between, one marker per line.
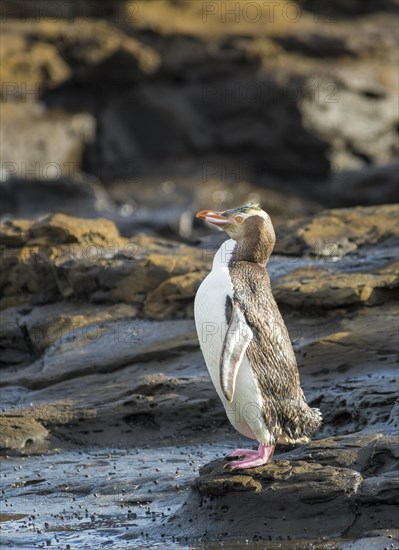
pixel 239 219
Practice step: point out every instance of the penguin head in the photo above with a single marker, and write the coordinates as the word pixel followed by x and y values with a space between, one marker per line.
pixel 249 225
pixel 237 222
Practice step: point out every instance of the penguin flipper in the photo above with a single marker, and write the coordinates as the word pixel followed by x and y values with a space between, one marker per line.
pixel 236 341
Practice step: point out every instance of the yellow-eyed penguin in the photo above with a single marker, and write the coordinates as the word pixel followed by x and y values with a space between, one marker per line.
pixel 245 342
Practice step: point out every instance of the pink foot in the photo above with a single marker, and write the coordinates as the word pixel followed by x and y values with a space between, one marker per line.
pixel 263 455
pixel 246 453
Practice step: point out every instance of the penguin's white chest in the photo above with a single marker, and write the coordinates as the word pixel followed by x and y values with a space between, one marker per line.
pixel 245 412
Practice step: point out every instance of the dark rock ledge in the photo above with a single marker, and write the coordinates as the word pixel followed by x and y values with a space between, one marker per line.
pixel 341 486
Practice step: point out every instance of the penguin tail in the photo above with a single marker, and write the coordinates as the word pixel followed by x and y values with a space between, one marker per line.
pixel 316 419
pixel 313 421
pixel 302 425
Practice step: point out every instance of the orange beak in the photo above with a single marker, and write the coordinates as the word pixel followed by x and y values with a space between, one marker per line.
pixel 213 217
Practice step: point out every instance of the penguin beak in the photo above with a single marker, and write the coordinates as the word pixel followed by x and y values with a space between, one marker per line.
pixel 211 216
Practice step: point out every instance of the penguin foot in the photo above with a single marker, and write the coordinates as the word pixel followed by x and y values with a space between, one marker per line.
pixel 246 453
pixel 262 456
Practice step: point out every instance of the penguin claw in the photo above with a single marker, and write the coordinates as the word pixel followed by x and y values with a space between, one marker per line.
pixel 242 452
pixel 253 458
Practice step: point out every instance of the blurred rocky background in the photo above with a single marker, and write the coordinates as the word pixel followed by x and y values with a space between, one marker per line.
pixel 144 111
pixel 120 120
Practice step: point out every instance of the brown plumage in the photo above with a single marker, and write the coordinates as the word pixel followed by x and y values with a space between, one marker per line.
pixel 271 356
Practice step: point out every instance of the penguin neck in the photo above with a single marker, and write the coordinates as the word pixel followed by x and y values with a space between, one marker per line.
pixel 257 244
pixel 224 255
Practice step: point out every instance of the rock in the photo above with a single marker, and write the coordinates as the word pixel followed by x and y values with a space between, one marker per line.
pixel 43 145
pixel 174 295
pixel 373 184
pixel 65 257
pixel 359 277
pixel 14 233
pixel 163 214
pixel 101 51
pixel 65 52
pixel 28 277
pixel 315 482
pixel 26 333
pixel 21 433
pixel 311 74
pixel 30 268
pixel 340 117
pixel 335 479
pixel 67 9
pixel 133 119
pixel 59 55
pixel 210 484
pixel 95 367
pixel 82 195
pixel 338 232
pixel 279 104
pixel 27 69
pixel 324 288
pixel 364 453
pixel 96 364
pixel 349 8
pixel 131 273
pixel 343 361
pixel 106 345
pixel 181 131
pixel 58 229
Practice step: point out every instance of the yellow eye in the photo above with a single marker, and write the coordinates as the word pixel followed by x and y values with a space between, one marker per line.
pixel 239 219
